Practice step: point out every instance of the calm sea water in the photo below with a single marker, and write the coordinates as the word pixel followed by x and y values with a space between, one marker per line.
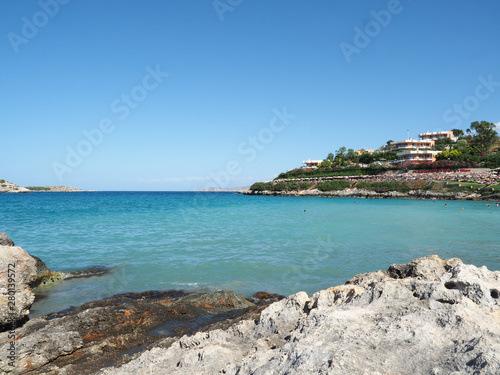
pixel 184 240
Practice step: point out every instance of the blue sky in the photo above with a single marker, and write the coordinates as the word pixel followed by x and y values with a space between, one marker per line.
pixel 178 95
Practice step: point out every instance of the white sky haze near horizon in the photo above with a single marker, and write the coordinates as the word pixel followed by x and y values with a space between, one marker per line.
pixel 173 95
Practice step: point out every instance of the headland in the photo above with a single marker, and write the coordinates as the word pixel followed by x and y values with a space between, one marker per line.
pixel 460 184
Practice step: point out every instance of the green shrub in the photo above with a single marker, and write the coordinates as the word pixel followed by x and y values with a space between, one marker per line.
pixel 384 186
pixel 38 188
pixel 280 186
pixel 304 185
pixel 261 186
pixel 491 161
pixel 320 172
pixel 333 185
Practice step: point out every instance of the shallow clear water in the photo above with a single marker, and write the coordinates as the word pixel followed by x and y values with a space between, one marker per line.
pixel 184 240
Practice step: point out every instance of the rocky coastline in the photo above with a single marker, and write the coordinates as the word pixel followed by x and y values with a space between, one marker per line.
pixel 364 193
pixel 429 316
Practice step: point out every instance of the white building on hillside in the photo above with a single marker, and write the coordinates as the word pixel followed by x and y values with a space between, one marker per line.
pixel 311 164
pixel 437 135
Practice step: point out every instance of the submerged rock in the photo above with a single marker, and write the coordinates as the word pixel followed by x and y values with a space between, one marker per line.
pixel 430 316
pixel 108 332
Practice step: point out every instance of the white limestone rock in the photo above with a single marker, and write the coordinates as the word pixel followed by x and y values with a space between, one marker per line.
pixel 17 271
pixel 429 316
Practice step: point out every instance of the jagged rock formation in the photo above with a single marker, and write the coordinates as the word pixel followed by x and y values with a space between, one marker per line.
pixel 429 316
pixel 109 331
pixel 17 272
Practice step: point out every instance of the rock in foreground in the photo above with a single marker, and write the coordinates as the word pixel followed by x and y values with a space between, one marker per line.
pixel 17 272
pixel 111 331
pixel 429 316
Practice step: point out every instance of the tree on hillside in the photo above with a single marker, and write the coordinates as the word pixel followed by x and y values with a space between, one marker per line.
pixel 457 132
pixel 352 156
pixel 326 163
pixel 366 158
pixel 443 144
pixel 461 146
pixel 340 156
pixel 341 151
pixel 330 157
pixel 483 134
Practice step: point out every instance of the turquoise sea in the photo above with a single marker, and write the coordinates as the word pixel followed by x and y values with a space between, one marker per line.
pixel 213 241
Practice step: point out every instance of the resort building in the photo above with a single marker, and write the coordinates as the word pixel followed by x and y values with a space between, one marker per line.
pixel 363 150
pixel 410 144
pixel 437 135
pixel 417 155
pixel 415 150
pixel 311 164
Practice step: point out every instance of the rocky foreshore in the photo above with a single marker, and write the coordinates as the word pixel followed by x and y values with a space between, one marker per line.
pixel 365 193
pixel 102 333
pixel 429 316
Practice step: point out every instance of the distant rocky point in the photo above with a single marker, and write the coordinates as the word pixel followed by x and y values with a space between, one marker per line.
pixel 227 189
pixel 53 188
pixel 9 187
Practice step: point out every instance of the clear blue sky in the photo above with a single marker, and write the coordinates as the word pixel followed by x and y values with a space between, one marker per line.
pixel 181 95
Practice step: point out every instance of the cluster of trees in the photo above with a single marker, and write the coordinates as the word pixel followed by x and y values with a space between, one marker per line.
pixel 281 186
pixel 348 157
pixel 476 144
